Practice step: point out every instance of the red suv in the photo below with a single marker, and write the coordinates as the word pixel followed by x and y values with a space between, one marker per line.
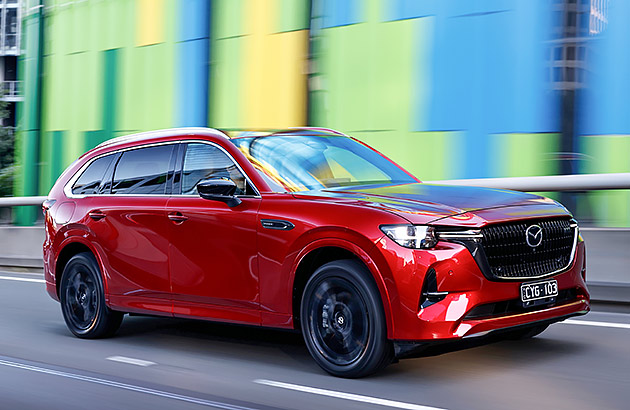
pixel 308 229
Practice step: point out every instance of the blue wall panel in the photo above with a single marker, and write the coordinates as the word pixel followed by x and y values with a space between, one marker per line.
pixel 193 51
pixel 342 12
pixel 606 104
pixel 488 73
pixel 194 21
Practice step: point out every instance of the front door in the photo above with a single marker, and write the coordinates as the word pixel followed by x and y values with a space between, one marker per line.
pixel 212 252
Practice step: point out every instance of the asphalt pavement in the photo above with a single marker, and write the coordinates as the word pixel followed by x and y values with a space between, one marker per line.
pixel 160 363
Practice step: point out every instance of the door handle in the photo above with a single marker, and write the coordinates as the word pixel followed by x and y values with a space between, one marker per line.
pixel 97 215
pixel 177 217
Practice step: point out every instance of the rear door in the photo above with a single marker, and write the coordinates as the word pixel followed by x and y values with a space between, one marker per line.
pixel 213 252
pixel 131 227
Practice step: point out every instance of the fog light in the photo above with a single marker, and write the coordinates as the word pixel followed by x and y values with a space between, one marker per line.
pixel 430 294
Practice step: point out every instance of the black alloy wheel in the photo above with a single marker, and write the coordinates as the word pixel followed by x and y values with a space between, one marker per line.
pixel 342 320
pixel 83 300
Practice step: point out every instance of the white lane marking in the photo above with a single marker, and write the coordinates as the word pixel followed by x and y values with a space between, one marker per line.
pixel 23 279
pixel 598 324
pixel 123 386
pixel 131 360
pixel 346 396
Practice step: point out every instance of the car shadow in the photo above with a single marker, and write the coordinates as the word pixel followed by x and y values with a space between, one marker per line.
pixel 287 348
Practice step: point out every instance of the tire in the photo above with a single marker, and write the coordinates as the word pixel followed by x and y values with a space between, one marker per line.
pixel 343 322
pixel 525 333
pixel 83 299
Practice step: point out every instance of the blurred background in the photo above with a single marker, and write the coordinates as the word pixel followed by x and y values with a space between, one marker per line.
pixel 449 89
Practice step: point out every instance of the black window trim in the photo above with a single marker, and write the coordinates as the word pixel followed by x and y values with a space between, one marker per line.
pixel 109 175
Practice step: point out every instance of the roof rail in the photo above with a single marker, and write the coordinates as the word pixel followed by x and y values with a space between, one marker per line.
pixel 319 129
pixel 140 136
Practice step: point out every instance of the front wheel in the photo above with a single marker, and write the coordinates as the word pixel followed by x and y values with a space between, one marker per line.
pixel 83 300
pixel 342 320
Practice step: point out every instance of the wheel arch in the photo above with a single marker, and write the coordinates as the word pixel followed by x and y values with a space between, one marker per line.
pixel 324 251
pixel 72 247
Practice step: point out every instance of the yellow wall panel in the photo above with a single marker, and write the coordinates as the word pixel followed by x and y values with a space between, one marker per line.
pixel 258 14
pixel 150 22
pixel 286 76
pixel 274 92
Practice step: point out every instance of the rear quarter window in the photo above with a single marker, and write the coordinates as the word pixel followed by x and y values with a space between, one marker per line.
pixel 91 180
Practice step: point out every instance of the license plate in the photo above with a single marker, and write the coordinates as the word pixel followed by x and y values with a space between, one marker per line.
pixel 539 292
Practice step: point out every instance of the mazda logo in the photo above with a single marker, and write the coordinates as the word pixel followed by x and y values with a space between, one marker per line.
pixel 534 236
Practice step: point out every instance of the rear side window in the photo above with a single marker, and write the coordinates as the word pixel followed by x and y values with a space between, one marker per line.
pixel 89 183
pixel 143 171
pixel 204 161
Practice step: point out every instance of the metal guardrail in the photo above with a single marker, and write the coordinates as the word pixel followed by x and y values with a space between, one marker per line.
pixel 22 201
pixel 554 183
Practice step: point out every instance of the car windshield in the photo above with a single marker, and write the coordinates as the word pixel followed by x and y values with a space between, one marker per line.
pixel 312 162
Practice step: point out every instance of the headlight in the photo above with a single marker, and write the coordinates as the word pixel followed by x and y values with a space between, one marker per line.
pixel 411 236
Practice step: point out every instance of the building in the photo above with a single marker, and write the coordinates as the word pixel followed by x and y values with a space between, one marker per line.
pixel 10 49
pixel 449 89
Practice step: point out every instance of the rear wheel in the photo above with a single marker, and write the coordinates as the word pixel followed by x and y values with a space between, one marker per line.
pixel 342 320
pixel 83 299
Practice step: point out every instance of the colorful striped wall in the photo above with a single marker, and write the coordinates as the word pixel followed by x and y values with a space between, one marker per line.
pixel 457 89
pixel 449 89
pixel 603 121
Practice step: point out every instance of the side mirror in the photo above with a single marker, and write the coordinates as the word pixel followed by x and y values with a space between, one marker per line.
pixel 218 189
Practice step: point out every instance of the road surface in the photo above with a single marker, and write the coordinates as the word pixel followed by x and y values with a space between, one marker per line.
pixel 160 363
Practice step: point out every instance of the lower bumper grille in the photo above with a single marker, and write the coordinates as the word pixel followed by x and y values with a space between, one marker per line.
pixel 515 306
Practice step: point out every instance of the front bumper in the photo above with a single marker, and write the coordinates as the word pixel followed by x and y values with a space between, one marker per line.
pixel 457 273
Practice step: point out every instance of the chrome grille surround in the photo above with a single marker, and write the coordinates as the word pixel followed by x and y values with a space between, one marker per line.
pixel 509 257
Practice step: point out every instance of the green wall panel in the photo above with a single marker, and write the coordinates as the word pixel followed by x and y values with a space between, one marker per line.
pixel 228 19
pixel 421 153
pixel 110 90
pixel 535 153
pixel 131 88
pixel 87 91
pixel 81 24
pixel 52 147
pixel 225 83
pixel 157 86
pixel 293 15
pixel 608 153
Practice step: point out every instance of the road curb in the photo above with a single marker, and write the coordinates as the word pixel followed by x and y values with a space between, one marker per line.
pixel 610 292
pixel 21 262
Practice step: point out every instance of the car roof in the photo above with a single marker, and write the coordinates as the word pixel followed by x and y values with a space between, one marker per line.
pixel 211 132
pixel 170 132
pixel 297 131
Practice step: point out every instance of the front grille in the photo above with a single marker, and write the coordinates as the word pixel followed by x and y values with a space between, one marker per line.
pixel 509 255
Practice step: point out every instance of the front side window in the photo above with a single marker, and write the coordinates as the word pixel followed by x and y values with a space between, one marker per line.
pixel 143 171
pixel 90 181
pixel 203 161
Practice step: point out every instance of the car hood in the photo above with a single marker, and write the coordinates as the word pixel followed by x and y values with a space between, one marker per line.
pixel 421 203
